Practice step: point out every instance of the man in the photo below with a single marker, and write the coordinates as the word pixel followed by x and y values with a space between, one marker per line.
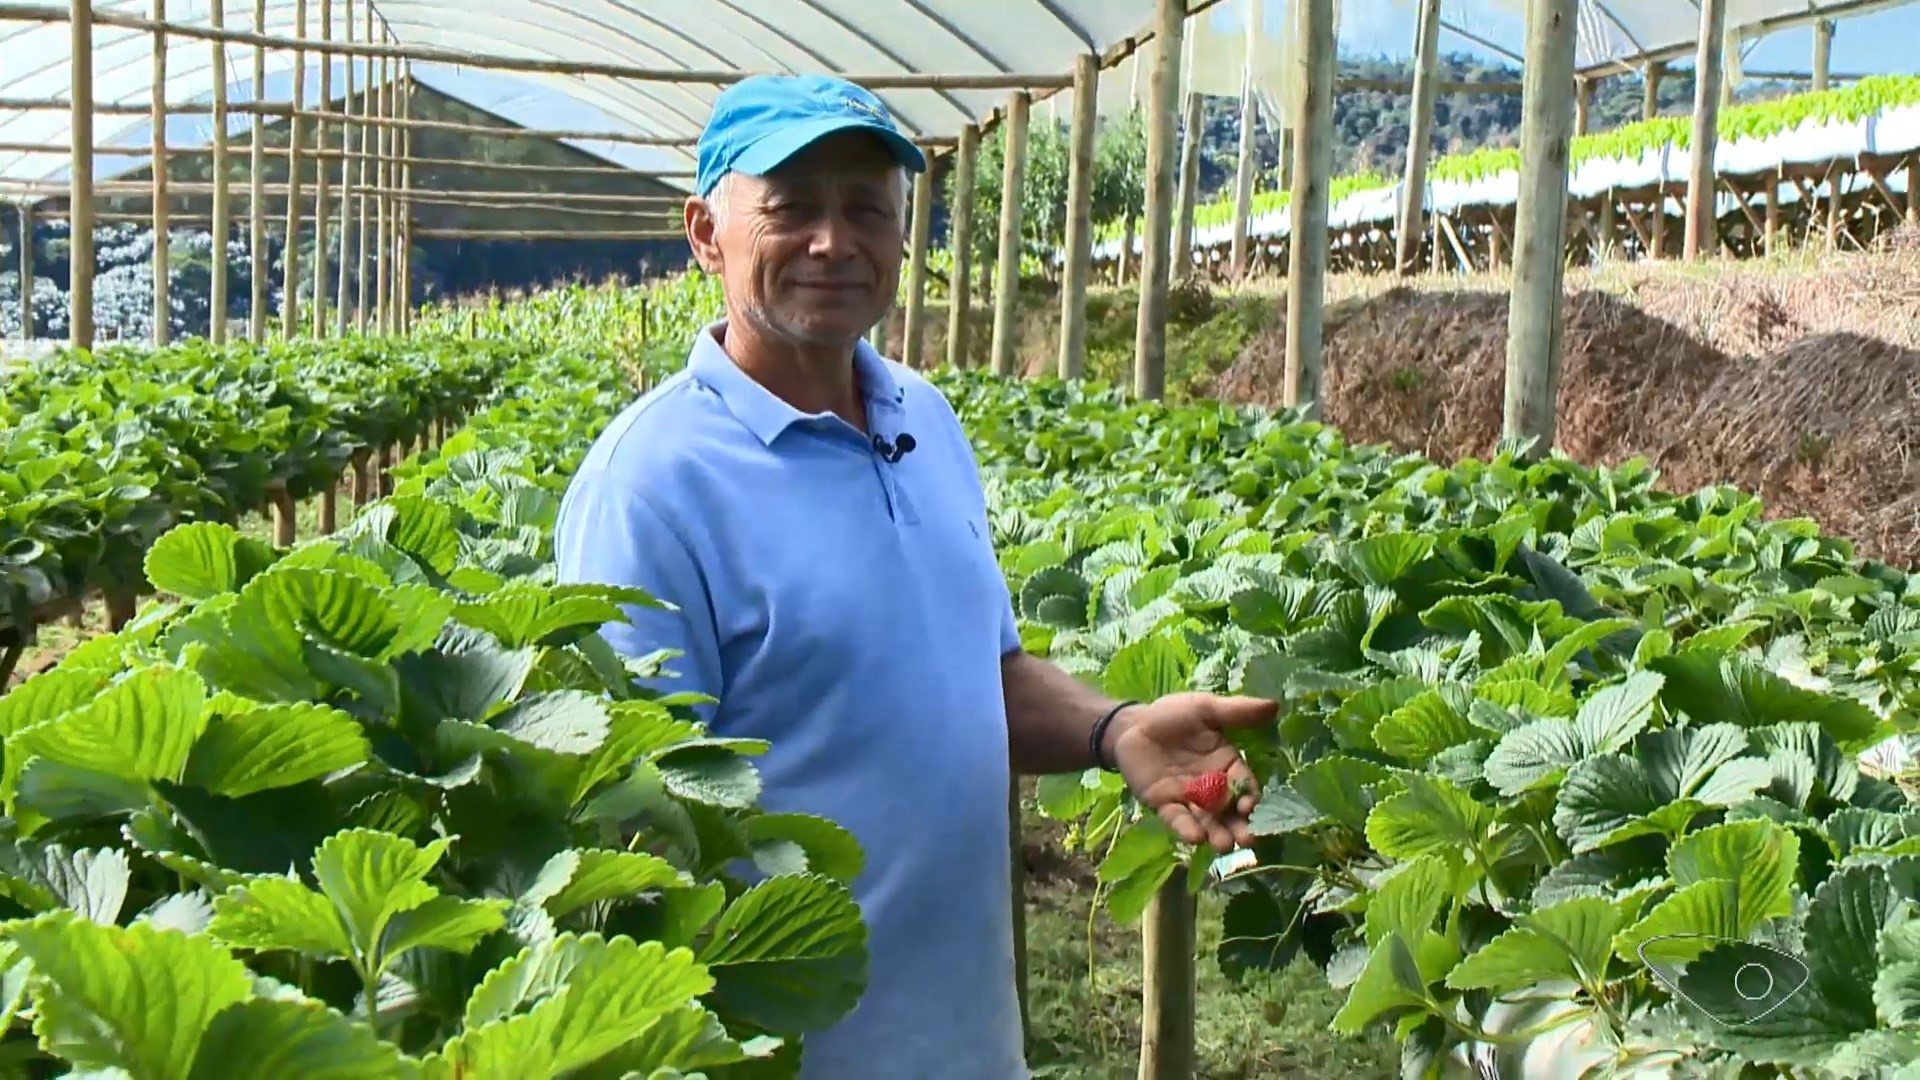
pixel 814 513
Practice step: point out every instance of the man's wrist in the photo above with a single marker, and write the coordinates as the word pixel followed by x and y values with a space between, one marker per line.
pixel 1105 736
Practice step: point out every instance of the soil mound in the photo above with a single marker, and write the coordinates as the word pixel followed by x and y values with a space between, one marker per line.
pixel 1804 390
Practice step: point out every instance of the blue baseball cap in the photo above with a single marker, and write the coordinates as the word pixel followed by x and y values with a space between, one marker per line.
pixel 763 120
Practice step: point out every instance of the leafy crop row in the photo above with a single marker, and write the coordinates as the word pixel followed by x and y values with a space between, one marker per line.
pixel 1755 120
pixel 1569 772
pixel 382 805
pixel 104 451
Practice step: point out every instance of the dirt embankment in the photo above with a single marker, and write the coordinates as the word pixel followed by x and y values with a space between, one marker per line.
pixel 1802 385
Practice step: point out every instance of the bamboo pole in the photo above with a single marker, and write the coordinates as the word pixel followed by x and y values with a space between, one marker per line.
pixel 1150 326
pixel 1650 99
pixel 80 261
pixel 1822 54
pixel 1582 104
pixel 1419 140
pixel 913 349
pixel 162 247
pixel 549 234
pixel 1706 129
pixel 320 196
pixel 347 129
pixel 1546 129
pixel 25 210
pixel 222 228
pixel 960 285
pixel 1312 164
pixel 256 204
pixel 1167 983
pixel 1187 191
pixel 1079 254
pixel 1243 176
pixel 1006 289
pixel 290 255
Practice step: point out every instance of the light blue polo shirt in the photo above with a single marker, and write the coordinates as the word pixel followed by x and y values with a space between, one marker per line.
pixel 851 611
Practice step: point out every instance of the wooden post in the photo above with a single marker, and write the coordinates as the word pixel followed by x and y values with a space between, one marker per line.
pixel 25 270
pixel 1540 229
pixel 383 287
pixel 1187 193
pixel 1006 289
pixel 367 134
pixel 1018 900
pixel 1582 105
pixel 913 349
pixel 960 286
pixel 1913 190
pixel 290 256
pixel 1773 213
pixel 1243 177
pixel 1609 228
pixel 162 248
pixel 1420 139
pixel 1822 54
pixel 1312 164
pixel 1650 103
pixel 1150 325
pixel 320 168
pixel 257 199
pixel 1167 983
pixel 222 229
pixel 1706 129
pixel 346 191
pixel 1079 253
pixel 80 176
pixel 403 278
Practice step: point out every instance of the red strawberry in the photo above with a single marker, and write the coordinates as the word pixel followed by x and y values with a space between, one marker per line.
pixel 1208 791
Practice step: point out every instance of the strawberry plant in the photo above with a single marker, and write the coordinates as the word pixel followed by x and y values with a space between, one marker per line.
pixel 383 805
pixel 105 451
pixel 1569 774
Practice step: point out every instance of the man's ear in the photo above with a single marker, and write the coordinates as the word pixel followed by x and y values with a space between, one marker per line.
pixel 701 230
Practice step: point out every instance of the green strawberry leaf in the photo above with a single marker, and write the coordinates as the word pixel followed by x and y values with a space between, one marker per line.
pixel 789 954
pixel 137 998
pixel 272 746
pixel 267 914
pixel 272 1039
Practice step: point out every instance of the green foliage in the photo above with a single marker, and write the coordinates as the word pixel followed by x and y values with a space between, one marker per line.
pixel 1538 719
pixel 106 450
pixel 1119 184
pixel 384 805
pixel 1477 143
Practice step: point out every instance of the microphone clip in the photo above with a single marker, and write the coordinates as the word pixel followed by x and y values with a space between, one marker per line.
pixel 892 452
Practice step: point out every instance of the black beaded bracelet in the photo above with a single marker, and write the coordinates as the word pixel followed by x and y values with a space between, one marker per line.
pixel 1099 735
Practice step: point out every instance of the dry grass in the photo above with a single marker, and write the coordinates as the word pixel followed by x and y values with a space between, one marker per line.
pixel 1797 378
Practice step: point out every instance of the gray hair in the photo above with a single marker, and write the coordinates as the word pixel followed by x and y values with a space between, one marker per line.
pixel 718 201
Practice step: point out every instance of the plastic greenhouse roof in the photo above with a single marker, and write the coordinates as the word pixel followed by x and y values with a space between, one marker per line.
pixel 853 36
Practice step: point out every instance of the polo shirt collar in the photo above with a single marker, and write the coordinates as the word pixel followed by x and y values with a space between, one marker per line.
pixel 765 413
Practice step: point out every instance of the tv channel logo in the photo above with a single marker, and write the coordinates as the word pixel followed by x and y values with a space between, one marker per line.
pixel 1732 982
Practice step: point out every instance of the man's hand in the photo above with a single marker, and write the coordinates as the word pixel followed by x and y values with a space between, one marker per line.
pixel 1160 746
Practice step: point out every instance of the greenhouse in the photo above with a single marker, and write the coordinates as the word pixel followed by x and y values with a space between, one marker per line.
pixel 1516 394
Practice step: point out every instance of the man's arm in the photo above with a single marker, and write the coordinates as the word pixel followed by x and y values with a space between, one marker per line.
pixel 1050 715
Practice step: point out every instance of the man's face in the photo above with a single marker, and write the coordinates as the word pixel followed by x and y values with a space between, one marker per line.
pixel 811 253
